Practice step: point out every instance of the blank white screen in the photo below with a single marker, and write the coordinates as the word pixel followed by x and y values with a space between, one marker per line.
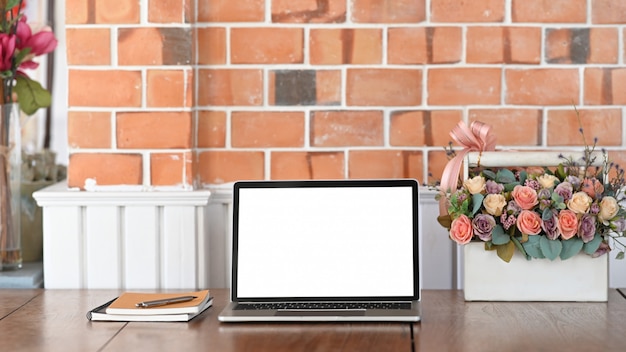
pixel 325 242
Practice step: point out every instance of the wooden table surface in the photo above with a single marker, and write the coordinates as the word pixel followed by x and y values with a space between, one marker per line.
pixel 54 320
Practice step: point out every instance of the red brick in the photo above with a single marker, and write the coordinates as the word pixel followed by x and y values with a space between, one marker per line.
pixel 384 11
pixel 522 45
pixel 106 88
pixel 346 128
pixel 407 45
pixel 216 167
pixel 512 127
pixel 79 12
pixel 605 86
pixel 503 45
pixel 212 45
pixel 467 11
pixel 304 87
pixel 422 128
pixel 89 129
pixel 447 44
pixel 608 11
pixel 582 45
pixel 154 130
pixel 345 46
pixel 604 124
pixel 542 87
pixel 464 86
pixel 267 129
pixel 485 44
pixel 307 165
pixel 231 11
pixel 385 164
pixel 437 160
pixel 154 46
pixel 603 45
pixel 85 46
pixel 211 129
pixel 105 169
pixel 328 89
pixel 166 11
pixel 308 11
pixel 242 87
pixel 114 12
pixel 384 87
pixel 559 11
pixel 251 45
pixel 166 88
pixel 171 169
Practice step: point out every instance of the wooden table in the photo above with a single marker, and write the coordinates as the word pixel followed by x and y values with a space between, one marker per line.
pixel 54 320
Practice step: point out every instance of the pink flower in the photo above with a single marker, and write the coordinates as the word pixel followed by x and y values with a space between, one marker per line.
pixel 568 224
pixel 524 196
pixel 461 230
pixel 592 187
pixel 529 222
pixel 39 43
pixel 7 50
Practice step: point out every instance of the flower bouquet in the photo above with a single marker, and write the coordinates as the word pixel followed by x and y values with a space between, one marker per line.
pixel 543 212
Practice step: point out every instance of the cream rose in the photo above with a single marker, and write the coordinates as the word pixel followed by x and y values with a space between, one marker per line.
pixel 547 181
pixel 494 203
pixel 579 203
pixel 475 184
pixel 608 209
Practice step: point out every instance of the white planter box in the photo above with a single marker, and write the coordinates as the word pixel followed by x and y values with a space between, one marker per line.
pixel 489 278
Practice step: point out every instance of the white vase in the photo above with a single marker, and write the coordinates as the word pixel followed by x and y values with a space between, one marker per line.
pixel 489 278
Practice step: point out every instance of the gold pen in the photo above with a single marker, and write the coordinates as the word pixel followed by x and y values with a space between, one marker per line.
pixel 162 302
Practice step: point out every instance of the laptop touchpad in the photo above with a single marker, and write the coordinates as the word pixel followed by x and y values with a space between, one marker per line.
pixel 317 313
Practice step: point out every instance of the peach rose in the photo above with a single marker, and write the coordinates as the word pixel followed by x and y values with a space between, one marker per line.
pixel 547 181
pixel 568 224
pixel 592 187
pixel 461 229
pixel 475 184
pixel 579 203
pixel 608 209
pixel 524 196
pixel 529 222
pixel 494 203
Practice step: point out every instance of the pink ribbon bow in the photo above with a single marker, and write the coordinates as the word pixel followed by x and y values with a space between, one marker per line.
pixel 478 138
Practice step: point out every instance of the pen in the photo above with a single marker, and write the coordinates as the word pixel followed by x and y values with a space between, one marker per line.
pixel 162 302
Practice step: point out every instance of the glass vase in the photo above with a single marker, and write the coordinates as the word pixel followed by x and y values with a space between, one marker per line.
pixel 10 179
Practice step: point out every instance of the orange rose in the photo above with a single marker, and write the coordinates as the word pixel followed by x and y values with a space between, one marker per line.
pixel 529 222
pixel 568 224
pixel 524 196
pixel 461 229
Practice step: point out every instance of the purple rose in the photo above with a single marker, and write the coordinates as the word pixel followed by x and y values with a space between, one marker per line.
pixel 551 226
pixel 595 208
pixel 619 225
pixel 545 198
pixel 574 181
pixel 513 208
pixel 565 190
pixel 603 249
pixel 587 227
pixel 493 187
pixel 483 225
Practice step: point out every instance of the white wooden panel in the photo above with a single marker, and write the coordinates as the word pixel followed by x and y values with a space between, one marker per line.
pixel 62 248
pixel 141 248
pixel 216 253
pixel 202 237
pixel 179 247
pixel 617 271
pixel 102 247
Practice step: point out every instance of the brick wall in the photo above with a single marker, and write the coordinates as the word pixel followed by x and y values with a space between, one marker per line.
pixel 282 89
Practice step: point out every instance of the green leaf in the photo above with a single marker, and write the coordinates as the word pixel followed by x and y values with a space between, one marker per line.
pixel 523 175
pixel 571 247
pixel 505 176
pixel 519 247
pixel 506 251
pixel 546 214
pixel 550 248
pixel 532 247
pixel 11 4
pixel 31 95
pixel 620 255
pixel 477 201
pixel 592 246
pixel 488 174
pixel 499 237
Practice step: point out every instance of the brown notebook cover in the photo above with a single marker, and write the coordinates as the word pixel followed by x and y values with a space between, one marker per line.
pixel 126 303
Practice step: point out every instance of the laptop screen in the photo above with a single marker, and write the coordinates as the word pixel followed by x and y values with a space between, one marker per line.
pixel 325 239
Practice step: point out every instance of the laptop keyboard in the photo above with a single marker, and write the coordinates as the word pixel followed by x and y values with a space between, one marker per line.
pixel 323 305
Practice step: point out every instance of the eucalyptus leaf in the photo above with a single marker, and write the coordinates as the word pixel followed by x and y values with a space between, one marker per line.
pixel 505 176
pixel 532 247
pixel 520 248
pixel 506 251
pixel 620 255
pixel 523 175
pixel 477 201
pixel 571 247
pixel 488 174
pixel 499 237
pixel 508 187
pixel 546 214
pixel 592 246
pixel 550 248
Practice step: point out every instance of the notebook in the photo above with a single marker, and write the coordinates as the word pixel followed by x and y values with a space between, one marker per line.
pixel 325 250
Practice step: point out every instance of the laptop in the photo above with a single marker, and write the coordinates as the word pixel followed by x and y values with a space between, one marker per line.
pixel 325 250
